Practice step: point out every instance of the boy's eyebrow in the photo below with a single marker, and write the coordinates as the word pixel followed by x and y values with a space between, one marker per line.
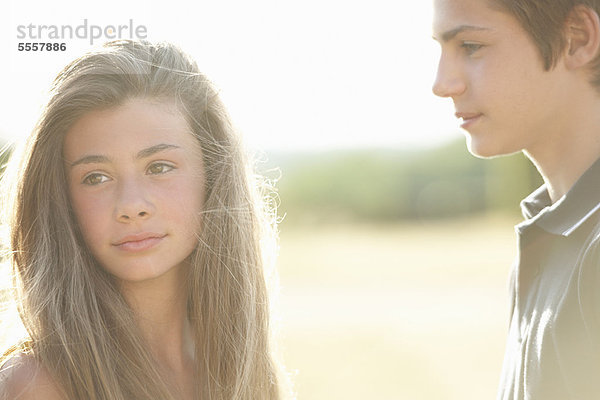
pixel 449 35
pixel 93 159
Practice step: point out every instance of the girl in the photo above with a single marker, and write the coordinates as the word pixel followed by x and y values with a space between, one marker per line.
pixel 135 240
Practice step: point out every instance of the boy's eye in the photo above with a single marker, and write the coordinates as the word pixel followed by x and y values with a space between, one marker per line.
pixel 159 168
pixel 95 179
pixel 471 47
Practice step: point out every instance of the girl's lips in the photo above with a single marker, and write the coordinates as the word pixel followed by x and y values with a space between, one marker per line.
pixel 138 243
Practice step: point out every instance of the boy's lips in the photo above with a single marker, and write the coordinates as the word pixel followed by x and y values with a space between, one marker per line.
pixel 468 118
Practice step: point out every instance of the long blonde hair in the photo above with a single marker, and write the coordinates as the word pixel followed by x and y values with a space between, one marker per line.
pixel 79 326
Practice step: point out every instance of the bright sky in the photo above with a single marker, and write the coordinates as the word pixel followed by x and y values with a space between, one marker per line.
pixel 295 75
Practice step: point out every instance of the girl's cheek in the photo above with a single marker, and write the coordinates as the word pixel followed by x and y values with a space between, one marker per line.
pixel 91 214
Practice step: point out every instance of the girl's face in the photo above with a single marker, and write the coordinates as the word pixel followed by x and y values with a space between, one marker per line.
pixel 136 183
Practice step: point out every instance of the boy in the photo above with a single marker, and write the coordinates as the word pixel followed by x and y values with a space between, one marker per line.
pixel 524 75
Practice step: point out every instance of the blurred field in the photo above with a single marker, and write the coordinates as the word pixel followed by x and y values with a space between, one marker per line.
pixel 404 311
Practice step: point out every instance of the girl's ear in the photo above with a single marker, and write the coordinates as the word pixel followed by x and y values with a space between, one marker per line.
pixel 582 36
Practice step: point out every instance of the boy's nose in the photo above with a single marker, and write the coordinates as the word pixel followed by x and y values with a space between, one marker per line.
pixel 448 81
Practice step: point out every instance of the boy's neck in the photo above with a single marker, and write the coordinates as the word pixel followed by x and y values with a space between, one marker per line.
pixel 569 148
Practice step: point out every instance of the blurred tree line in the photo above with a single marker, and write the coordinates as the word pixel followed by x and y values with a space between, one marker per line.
pixel 391 185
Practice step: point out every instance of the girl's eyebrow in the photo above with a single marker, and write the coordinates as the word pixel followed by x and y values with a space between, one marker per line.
pixel 90 160
pixel 98 159
pixel 155 149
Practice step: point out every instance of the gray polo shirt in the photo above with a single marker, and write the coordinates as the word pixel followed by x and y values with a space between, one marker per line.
pixel 553 348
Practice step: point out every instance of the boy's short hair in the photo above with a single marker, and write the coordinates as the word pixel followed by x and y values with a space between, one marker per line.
pixel 544 21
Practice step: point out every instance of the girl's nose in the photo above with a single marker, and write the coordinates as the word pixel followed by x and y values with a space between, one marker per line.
pixel 132 202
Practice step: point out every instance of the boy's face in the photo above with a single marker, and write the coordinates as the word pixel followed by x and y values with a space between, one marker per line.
pixel 494 74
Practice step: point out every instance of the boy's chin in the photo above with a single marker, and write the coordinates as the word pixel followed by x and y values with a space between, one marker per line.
pixel 486 149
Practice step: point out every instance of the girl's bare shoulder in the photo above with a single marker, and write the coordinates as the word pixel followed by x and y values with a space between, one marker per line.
pixel 23 378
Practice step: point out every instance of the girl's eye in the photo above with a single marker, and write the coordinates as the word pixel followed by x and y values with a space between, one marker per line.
pixel 159 168
pixel 95 179
pixel 471 47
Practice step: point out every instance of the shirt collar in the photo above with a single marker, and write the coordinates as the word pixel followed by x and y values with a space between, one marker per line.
pixel 570 211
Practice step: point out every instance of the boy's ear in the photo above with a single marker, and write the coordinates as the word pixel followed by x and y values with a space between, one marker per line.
pixel 582 36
